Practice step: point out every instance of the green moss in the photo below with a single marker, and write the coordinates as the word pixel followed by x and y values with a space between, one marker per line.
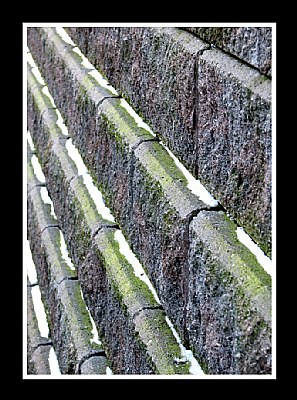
pixel 162 346
pixel 130 290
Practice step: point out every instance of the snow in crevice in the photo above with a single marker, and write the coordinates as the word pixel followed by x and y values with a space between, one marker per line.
pixel 39 311
pixel 30 141
pixel 64 252
pixel 94 192
pixel 47 200
pixel 187 355
pixel 139 121
pixel 262 259
pixel 132 259
pixel 95 338
pixel 37 169
pixel 53 363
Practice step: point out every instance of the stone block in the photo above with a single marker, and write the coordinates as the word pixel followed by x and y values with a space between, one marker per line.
pixel 126 313
pixel 229 300
pixel 233 141
pixel 250 44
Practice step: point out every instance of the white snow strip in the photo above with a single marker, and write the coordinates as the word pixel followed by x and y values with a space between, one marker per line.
pixel 39 311
pixel 35 70
pixel 95 338
pixel 130 256
pixel 108 371
pixel 194 185
pixel 47 200
pixel 136 117
pixel 29 263
pixel 97 198
pixel 88 181
pixel 30 141
pixel 94 72
pixel 85 62
pixel 53 362
pixel 37 169
pixel 263 260
pixel 60 123
pixel 76 157
pixel 64 252
pixel 63 34
pixel 195 368
pixel 47 93
pixel 102 81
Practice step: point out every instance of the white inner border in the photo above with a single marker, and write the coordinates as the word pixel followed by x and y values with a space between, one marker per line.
pixel 176 24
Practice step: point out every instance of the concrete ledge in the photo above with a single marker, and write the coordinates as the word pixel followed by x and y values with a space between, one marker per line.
pixel 70 325
pixel 233 139
pixel 128 316
pixel 252 45
pixel 153 205
pixel 232 330
pixel 212 111
pixel 152 347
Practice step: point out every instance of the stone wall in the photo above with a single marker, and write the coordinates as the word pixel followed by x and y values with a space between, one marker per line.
pixel 214 113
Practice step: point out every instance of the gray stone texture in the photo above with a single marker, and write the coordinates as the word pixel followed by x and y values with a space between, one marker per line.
pixel 231 332
pixel 70 326
pixel 147 346
pixel 213 111
pixel 145 190
pixel 95 365
pixel 251 44
pixel 151 201
pixel 136 336
pixel 38 347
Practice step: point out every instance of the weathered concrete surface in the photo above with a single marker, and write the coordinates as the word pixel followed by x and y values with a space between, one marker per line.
pixel 93 366
pixel 233 138
pixel 212 111
pixel 148 344
pixel 155 69
pixel 251 44
pixel 231 332
pixel 37 347
pixel 136 336
pixel 144 188
pixel 156 189
pixel 70 325
pixel 66 76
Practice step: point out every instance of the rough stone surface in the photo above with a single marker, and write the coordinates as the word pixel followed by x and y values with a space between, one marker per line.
pixel 150 199
pixel 229 300
pixel 155 70
pixel 252 45
pixel 68 80
pixel 233 141
pixel 70 325
pixel 136 337
pixel 95 365
pixel 212 111
pixel 38 362
pixel 37 347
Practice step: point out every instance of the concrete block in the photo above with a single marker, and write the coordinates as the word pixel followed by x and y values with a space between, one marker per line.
pixel 70 325
pixel 62 69
pixel 229 300
pixel 76 210
pixel 151 201
pixel 212 111
pixel 233 141
pixel 95 365
pixel 251 44
pixel 126 313
pixel 155 70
